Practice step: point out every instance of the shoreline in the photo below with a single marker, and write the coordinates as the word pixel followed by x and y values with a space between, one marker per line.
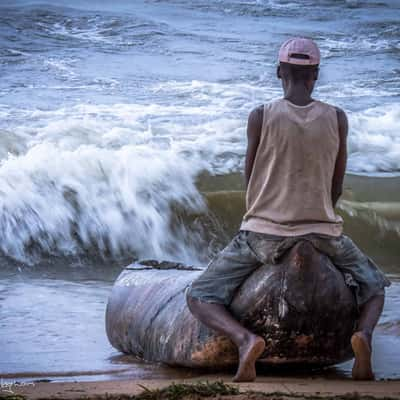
pixel 264 387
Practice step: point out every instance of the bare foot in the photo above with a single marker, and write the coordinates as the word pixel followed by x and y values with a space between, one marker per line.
pixel 248 354
pixel 362 369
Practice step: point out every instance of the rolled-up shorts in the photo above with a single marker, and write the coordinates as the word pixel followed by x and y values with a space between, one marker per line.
pixel 249 250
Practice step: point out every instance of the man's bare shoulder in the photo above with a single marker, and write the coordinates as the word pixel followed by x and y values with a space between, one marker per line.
pixel 255 122
pixel 340 112
pixel 259 113
pixel 342 121
pixel 256 115
pixel 341 117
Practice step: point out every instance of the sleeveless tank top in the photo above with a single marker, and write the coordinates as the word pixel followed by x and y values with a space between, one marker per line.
pixel 289 191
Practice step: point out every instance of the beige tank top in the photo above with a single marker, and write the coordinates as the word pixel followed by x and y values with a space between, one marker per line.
pixel 289 192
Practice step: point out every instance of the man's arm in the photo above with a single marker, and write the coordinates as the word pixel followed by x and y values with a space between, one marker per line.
pixel 254 126
pixel 341 160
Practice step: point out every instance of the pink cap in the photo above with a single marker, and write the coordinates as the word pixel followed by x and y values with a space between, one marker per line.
pixel 303 46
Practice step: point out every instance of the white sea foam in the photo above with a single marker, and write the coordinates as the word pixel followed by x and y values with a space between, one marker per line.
pixel 60 201
pixel 92 31
pixel 108 176
pixel 374 141
pixel 349 45
pixel 62 66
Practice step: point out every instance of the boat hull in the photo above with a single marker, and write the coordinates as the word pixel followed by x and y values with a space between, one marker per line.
pixel 301 306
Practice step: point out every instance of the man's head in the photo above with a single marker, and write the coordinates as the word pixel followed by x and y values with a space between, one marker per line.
pixel 298 63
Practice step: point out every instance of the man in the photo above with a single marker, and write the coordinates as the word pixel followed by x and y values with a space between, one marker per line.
pixel 294 170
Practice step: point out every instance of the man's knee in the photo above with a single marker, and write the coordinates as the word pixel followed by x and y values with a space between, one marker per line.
pixel 191 302
pixel 376 300
pixel 379 295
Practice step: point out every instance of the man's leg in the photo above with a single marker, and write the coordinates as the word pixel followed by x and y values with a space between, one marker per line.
pixel 213 290
pixel 361 340
pixel 371 281
pixel 250 346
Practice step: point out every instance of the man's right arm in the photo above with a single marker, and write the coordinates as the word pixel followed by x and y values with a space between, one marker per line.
pixel 254 126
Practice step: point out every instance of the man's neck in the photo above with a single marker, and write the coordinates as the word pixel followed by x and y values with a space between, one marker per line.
pixel 299 100
pixel 298 95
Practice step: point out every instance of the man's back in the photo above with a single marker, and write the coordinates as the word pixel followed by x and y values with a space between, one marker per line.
pixel 289 191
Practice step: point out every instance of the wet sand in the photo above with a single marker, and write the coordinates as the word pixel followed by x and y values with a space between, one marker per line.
pixel 278 387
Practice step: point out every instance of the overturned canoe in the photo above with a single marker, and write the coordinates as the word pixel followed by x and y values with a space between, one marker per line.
pixel 301 306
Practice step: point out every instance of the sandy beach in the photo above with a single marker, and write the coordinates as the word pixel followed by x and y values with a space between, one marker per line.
pixel 264 387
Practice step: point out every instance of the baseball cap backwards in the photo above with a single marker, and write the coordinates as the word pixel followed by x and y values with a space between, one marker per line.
pixel 300 51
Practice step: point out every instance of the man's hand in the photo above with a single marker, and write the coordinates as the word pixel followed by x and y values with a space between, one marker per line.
pixel 341 160
pixel 254 126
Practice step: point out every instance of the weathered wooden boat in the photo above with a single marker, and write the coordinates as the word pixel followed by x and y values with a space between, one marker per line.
pixel 301 306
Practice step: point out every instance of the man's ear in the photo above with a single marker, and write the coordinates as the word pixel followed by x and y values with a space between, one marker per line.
pixel 278 72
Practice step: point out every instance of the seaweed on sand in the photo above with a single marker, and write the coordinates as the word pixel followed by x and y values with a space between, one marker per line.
pixel 200 390
pixel 177 391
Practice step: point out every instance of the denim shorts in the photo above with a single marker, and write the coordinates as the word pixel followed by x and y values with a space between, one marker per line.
pixel 249 250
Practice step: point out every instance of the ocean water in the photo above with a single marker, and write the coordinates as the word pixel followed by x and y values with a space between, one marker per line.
pixel 122 136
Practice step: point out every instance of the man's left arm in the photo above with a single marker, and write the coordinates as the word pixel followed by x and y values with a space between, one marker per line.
pixel 254 127
pixel 341 160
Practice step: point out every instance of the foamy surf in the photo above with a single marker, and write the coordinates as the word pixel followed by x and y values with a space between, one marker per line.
pixel 116 202
pixel 114 174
